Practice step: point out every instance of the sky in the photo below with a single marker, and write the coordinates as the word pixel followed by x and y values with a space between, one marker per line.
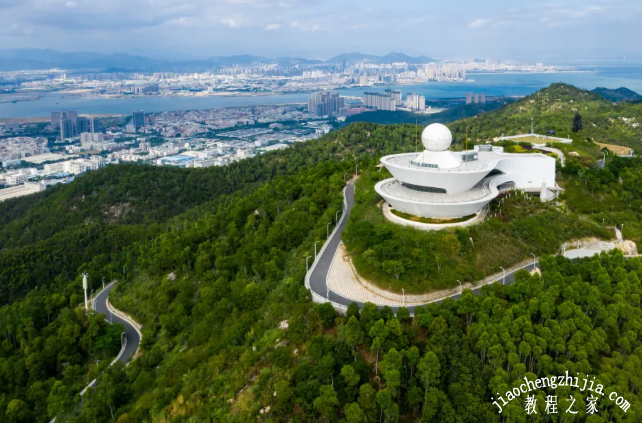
pixel 565 30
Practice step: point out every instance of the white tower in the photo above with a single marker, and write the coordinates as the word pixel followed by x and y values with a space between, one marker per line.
pixel 84 287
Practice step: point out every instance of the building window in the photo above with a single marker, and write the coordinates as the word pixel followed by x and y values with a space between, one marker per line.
pixel 424 189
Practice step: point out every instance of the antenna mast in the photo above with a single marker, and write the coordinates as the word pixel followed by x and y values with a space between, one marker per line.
pixel 84 287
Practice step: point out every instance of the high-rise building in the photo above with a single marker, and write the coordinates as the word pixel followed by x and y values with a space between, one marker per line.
pixel 476 98
pixel 395 95
pixel 138 119
pixel 415 101
pixel 381 101
pixel 312 104
pixel 82 125
pixel 469 98
pixel 71 115
pixel 63 114
pixel 325 104
pixel 66 129
pixel 483 98
pixel 94 125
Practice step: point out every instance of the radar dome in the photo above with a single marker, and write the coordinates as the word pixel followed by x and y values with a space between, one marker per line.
pixel 436 137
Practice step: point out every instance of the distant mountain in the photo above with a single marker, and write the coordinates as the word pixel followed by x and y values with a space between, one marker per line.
pixel 297 61
pixel 352 57
pixel 620 94
pixel 38 59
pixel 400 57
pixel 42 59
pixel 388 58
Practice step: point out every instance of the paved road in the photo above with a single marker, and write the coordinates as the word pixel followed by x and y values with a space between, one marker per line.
pixel 319 274
pixel 133 339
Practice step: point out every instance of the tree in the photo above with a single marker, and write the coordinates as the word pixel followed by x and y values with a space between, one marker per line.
pixel 354 413
pixel 393 268
pixel 349 375
pixel 429 370
pixel 353 335
pixel 378 333
pixel 18 411
pixel 327 314
pixel 353 310
pixel 577 122
pixel 368 401
pixel 326 402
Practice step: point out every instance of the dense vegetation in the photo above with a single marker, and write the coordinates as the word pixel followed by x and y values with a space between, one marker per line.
pixel 45 354
pixel 554 108
pixel 612 195
pixel 236 239
pixel 396 257
pixel 619 94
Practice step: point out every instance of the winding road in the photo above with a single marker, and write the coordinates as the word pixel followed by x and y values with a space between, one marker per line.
pixel 132 333
pixel 316 278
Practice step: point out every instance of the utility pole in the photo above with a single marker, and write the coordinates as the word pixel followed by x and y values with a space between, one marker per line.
pixel 504 278
pixel 84 287
pixel 531 125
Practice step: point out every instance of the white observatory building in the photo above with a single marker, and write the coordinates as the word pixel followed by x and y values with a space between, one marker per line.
pixel 441 184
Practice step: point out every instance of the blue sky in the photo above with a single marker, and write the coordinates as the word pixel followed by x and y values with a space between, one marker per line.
pixel 528 30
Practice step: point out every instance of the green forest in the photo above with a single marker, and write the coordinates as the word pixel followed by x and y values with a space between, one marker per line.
pixel 234 239
pixel 553 109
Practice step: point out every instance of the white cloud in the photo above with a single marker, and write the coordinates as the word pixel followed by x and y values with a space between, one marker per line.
pixel 70 4
pixel 544 20
pixel 305 26
pixel 272 27
pixel 231 22
pixel 478 23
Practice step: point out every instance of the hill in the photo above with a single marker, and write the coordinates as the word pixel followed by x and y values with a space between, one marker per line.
pixel 388 58
pixel 233 334
pixel 554 108
pixel 353 57
pixel 39 59
pixel 619 94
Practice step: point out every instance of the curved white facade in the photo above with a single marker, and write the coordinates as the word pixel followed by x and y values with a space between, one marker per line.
pixel 448 184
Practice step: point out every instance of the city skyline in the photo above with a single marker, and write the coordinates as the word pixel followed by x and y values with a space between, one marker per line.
pixel 197 29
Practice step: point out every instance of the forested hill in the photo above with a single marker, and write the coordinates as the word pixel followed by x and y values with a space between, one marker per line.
pixel 554 108
pixel 212 263
pixel 618 94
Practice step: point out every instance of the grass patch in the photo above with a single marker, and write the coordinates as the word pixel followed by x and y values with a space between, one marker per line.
pixel 419 219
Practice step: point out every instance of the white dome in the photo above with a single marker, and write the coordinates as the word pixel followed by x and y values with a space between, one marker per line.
pixel 436 137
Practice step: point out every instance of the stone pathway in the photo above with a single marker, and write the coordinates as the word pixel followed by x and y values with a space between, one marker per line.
pixel 344 280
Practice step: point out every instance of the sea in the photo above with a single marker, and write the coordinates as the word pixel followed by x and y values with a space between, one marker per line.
pixel 492 84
